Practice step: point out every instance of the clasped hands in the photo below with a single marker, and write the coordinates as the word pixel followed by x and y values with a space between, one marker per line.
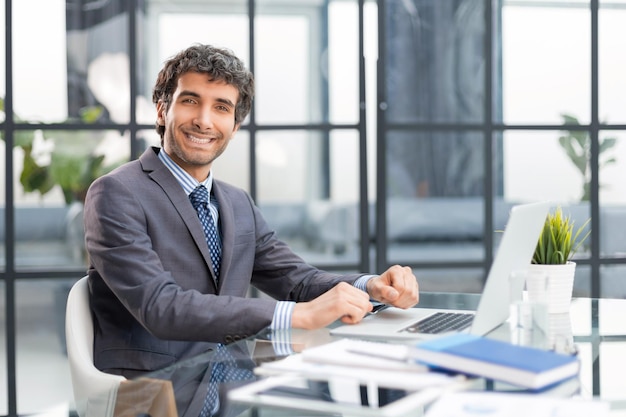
pixel 397 286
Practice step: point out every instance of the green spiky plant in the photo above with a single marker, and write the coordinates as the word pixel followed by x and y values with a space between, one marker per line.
pixel 558 241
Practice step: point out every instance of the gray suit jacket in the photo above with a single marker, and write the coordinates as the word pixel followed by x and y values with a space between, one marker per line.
pixel 152 293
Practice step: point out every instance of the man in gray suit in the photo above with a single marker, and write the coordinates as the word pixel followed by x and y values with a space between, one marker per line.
pixel 155 294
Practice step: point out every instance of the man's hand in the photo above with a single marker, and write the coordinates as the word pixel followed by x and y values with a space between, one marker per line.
pixel 396 286
pixel 343 301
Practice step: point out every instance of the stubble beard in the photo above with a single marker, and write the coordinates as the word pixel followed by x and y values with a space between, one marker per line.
pixel 190 157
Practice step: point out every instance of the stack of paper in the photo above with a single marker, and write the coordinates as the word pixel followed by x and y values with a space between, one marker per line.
pixel 349 377
pixel 385 364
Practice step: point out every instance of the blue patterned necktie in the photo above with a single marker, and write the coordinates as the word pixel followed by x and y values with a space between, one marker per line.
pixel 224 370
pixel 199 198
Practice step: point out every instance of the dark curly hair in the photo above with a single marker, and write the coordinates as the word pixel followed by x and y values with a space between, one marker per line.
pixel 220 63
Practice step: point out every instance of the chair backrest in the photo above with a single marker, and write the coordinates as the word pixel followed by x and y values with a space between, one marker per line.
pixel 94 391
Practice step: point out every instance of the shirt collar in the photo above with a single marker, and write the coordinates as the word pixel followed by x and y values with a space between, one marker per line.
pixel 186 181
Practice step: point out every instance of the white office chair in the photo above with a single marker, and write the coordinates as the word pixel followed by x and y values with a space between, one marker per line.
pixel 94 391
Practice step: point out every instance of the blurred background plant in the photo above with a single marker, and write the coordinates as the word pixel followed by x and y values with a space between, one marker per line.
pixel 577 146
pixel 60 157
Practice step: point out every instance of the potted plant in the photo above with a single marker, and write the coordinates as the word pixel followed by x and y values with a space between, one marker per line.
pixel 551 273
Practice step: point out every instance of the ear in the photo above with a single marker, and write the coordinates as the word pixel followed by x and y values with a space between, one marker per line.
pixel 161 109
pixel 236 128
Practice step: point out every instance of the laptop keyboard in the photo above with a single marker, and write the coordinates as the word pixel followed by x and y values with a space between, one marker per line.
pixel 441 322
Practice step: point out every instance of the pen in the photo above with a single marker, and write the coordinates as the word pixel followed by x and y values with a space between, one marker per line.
pixel 378 308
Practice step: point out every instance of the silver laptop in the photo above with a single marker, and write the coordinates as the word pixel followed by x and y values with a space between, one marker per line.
pixel 515 251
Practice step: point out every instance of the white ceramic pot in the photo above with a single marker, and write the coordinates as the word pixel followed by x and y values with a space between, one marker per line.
pixel 560 336
pixel 553 284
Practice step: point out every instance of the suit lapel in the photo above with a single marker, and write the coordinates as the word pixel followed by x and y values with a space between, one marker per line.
pixel 159 173
pixel 226 227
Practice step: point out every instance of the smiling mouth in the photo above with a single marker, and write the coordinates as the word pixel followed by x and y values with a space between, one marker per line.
pixel 200 140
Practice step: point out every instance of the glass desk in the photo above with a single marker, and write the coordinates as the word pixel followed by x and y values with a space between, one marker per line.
pixel 596 327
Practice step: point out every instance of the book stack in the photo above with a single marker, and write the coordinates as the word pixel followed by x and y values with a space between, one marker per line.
pixel 524 366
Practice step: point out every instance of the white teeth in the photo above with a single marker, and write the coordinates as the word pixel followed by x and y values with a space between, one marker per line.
pixel 199 140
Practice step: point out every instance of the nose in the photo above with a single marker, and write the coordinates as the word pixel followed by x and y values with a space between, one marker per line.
pixel 203 119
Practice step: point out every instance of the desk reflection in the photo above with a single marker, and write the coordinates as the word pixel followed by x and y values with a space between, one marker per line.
pixel 196 387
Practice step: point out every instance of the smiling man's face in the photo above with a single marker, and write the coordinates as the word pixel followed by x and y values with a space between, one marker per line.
pixel 199 123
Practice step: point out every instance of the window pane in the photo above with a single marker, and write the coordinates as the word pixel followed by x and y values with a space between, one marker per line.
pixel 343 61
pixel 308 191
pixel 536 167
pixel 98 63
pixel 4 406
pixel 611 61
pixel 2 208
pixel 53 169
pixel 37 97
pixel 612 282
pixel 284 159
pixel 85 56
pixel 546 70
pixel 233 166
pixel 344 166
pixel 288 92
pixel 435 197
pixel 434 164
pixel 40 352
pixel 2 60
pixel 422 83
pixel 319 81
pixel 612 162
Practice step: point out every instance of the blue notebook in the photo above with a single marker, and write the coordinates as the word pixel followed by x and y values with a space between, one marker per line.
pixel 473 355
